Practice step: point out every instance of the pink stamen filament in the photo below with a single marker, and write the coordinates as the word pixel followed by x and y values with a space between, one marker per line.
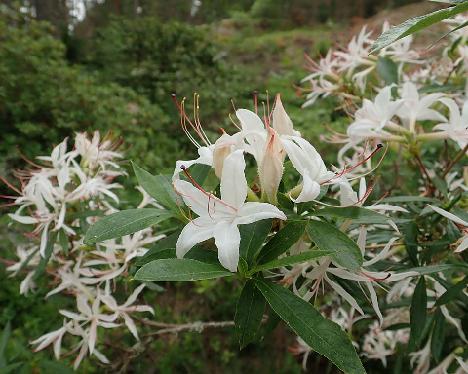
pixel 208 194
pixel 347 170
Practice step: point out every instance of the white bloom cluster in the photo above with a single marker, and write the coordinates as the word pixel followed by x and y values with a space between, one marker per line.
pixel 61 199
pixel 269 142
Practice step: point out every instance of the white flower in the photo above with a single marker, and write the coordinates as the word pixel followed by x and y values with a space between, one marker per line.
pixel 371 119
pixel 417 108
pixel 265 143
pixel 95 153
pixel 127 308
pixel 308 162
pixel 53 337
pixel 457 127
pixel 90 314
pixel 219 218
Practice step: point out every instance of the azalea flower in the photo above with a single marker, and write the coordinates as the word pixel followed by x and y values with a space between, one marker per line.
pixel 265 143
pixel 416 108
pixel 371 119
pixel 91 315
pixel 53 337
pixel 457 127
pixel 308 162
pixel 124 310
pixel 218 218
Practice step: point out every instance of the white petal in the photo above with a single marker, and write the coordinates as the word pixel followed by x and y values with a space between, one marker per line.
pixel 310 189
pixel 252 212
pixel 281 121
pixel 250 121
pixel 345 295
pixel 196 231
pixel 449 215
pixel 196 200
pixel 227 239
pixel 233 183
pixel 463 245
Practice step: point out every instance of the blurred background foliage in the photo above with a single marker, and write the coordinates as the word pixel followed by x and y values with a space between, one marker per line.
pixel 111 65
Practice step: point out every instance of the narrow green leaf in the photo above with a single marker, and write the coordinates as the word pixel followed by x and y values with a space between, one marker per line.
pixel 438 335
pixel 322 335
pixel 183 269
pixel 252 238
pixel 327 237
pixel 249 314
pixel 452 292
pixel 124 223
pixel 418 313
pixel 158 187
pixel 358 214
pixel 291 260
pixel 410 237
pixel 430 269
pixel 3 343
pixel 282 241
pixel 387 70
pixel 416 24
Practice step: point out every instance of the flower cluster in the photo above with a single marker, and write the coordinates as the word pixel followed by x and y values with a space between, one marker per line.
pixel 61 197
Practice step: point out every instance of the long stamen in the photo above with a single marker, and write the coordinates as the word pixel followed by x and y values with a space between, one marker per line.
pixel 255 100
pixel 4 180
pixel 208 194
pixel 347 170
pixel 374 279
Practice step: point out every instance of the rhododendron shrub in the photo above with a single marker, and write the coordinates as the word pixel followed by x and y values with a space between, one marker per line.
pixel 365 275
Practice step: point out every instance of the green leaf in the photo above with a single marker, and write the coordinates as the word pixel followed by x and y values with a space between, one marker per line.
pixel 418 313
pixel 249 313
pixel 438 335
pixel 184 269
pixel 358 214
pixel 416 24
pixel 159 248
pixel 429 269
pixel 282 241
pixel 252 238
pixel 291 260
pixel 3 343
pixel 123 223
pixel 327 237
pixel 322 335
pixel 387 70
pixel 410 237
pixel 452 292
pixel 158 187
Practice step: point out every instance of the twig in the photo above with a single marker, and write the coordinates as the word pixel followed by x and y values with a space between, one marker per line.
pixel 194 326
pixel 455 160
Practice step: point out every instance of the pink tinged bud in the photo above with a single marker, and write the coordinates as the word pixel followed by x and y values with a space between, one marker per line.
pixel 271 168
pixel 281 121
pixel 222 148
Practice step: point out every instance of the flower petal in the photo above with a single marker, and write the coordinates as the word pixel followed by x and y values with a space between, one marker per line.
pixel 227 239
pixel 196 231
pixel 233 183
pixel 252 212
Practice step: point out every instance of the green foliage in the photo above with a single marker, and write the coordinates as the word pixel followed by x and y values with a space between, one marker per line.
pixel 124 223
pixel 249 313
pixel 43 99
pixel 327 237
pixel 321 334
pixel 158 59
pixel 184 269
pixel 416 24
